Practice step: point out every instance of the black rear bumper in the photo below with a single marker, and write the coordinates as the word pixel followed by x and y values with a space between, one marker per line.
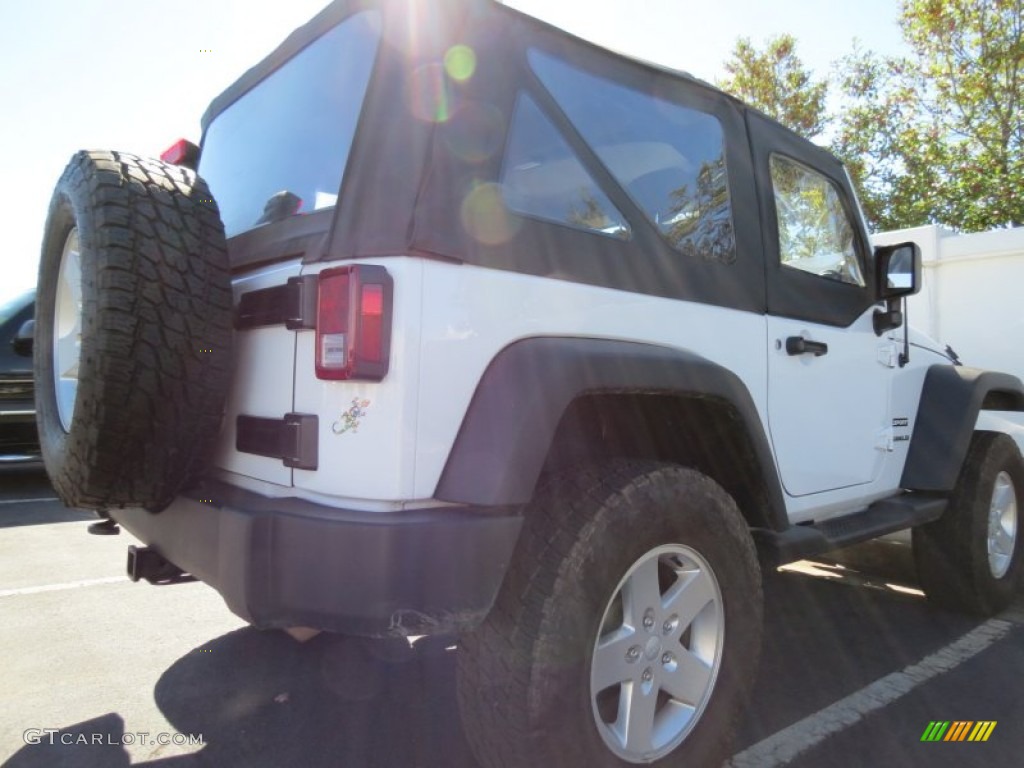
pixel 290 562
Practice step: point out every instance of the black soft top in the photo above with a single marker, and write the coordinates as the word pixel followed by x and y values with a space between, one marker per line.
pixel 406 187
pixel 339 10
pixel 329 17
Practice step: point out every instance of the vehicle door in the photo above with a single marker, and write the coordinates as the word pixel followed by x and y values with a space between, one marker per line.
pixel 829 374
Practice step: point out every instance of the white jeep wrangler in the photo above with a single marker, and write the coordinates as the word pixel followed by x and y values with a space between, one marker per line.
pixel 464 325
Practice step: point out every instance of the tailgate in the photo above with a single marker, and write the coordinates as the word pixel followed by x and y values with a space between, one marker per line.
pixel 263 381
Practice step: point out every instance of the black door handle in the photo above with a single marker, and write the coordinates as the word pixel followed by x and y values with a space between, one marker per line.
pixel 798 345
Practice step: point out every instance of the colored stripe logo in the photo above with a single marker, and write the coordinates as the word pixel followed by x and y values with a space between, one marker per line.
pixel 958 730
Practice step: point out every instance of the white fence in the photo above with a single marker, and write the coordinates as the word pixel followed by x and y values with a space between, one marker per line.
pixel 973 293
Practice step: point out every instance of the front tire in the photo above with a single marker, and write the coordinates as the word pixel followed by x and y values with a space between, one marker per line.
pixel 627 629
pixel 970 559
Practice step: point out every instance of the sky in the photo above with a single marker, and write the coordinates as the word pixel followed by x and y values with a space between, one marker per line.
pixel 135 75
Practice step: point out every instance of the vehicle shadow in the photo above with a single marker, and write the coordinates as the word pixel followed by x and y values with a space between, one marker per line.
pixel 263 699
pixel 91 743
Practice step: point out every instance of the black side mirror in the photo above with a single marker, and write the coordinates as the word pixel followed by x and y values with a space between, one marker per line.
pixel 897 275
pixel 22 342
pixel 898 270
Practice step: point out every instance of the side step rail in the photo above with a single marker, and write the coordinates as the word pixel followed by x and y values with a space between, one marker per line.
pixel 883 517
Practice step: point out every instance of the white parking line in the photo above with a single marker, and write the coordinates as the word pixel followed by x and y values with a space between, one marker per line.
pixel 27 501
pixel 781 747
pixel 60 587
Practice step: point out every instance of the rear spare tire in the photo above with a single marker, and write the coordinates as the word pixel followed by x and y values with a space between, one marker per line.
pixel 133 331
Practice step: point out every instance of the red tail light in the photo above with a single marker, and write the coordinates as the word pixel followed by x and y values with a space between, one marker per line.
pixel 182 152
pixel 353 323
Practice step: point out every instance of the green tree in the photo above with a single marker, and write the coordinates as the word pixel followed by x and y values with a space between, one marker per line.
pixel 891 146
pixel 969 76
pixel 776 81
pixel 936 136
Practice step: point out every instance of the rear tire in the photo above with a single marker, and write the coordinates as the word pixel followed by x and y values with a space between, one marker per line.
pixel 133 331
pixel 970 559
pixel 576 651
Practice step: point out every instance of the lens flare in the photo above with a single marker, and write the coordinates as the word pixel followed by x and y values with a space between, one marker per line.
pixel 485 217
pixel 428 94
pixel 460 62
pixel 475 131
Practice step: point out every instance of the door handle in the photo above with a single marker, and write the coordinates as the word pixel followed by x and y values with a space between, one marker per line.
pixel 798 345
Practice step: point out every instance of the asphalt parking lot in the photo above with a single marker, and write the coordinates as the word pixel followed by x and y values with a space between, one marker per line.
pixel 98 671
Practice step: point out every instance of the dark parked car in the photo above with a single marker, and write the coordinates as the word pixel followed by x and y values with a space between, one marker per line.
pixel 19 441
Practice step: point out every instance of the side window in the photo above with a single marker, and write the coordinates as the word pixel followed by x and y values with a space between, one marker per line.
pixel 669 159
pixel 542 177
pixel 815 234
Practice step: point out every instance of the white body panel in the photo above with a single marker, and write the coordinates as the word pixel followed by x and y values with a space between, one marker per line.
pixel 372 454
pixel 904 394
pixel 829 414
pixel 471 313
pixel 449 323
pixel 839 424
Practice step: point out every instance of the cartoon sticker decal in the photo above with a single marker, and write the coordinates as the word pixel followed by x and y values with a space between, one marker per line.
pixel 349 420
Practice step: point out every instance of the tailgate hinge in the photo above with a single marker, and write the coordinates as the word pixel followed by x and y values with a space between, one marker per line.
pixel 292 304
pixel 294 439
pixel 300 299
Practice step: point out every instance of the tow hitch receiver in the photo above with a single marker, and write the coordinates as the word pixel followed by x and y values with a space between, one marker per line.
pixel 146 563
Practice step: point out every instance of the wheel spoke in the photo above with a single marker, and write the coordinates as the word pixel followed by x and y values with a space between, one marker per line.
pixel 73 272
pixel 1002 497
pixel 68 354
pixel 1002 525
pixel 688 597
pixel 641 592
pixel 66 391
pixel 611 665
pixel 67 329
pixel 689 680
pixel 1002 541
pixel 635 723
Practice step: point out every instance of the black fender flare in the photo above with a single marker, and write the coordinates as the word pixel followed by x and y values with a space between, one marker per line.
pixel 508 428
pixel 951 399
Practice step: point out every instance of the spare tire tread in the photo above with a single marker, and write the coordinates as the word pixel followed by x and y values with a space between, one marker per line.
pixel 156 330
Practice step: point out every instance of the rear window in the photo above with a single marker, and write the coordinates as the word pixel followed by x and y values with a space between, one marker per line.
pixel 281 149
